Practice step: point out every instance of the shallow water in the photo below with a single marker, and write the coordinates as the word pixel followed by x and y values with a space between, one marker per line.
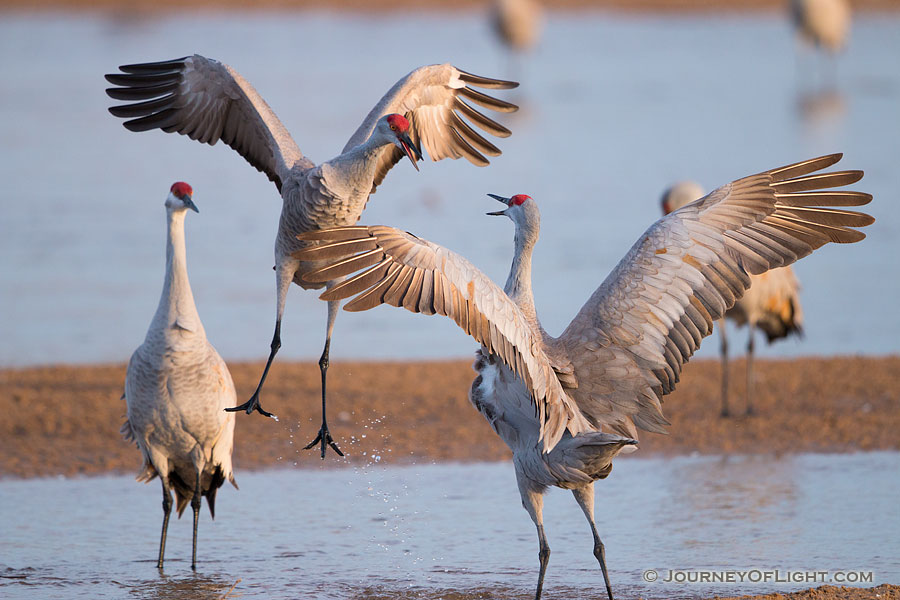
pixel 615 108
pixel 457 531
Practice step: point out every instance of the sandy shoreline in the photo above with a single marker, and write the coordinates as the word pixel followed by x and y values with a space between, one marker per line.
pixel 65 420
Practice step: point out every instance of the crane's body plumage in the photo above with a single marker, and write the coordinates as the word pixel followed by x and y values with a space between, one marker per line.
pixel 822 23
pixel 209 101
pixel 567 405
pixel 177 388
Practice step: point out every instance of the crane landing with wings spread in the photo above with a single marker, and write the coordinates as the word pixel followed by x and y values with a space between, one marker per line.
pixel 431 109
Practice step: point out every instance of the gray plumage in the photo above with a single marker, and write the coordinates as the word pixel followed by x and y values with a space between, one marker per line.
pixel 177 388
pixel 554 400
pixel 772 303
pixel 209 101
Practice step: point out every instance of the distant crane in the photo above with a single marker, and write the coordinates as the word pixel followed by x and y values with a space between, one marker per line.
pixel 550 399
pixel 177 388
pixel 516 22
pixel 209 101
pixel 772 302
pixel 822 23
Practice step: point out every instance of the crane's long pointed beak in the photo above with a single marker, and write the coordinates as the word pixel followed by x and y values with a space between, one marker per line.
pixel 190 204
pixel 412 151
pixel 498 213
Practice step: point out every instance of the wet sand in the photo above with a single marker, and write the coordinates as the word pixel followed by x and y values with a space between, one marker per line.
pixel 65 420
pixel 830 592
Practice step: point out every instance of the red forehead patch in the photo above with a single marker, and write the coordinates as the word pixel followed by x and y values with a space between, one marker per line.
pixel 398 121
pixel 518 199
pixel 181 189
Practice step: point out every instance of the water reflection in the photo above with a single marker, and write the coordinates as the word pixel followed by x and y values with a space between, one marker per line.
pixel 190 587
pixel 822 109
pixel 456 531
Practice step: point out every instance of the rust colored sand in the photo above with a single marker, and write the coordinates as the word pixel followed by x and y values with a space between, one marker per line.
pixel 830 592
pixel 65 420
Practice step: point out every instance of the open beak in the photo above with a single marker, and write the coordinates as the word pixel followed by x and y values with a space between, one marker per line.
pixel 498 213
pixel 190 204
pixel 411 150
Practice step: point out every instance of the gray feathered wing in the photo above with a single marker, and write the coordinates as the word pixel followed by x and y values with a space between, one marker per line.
pixel 400 269
pixel 207 101
pixel 437 100
pixel 630 340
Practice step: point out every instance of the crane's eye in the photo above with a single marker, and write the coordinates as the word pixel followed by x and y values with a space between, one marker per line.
pixel 393 128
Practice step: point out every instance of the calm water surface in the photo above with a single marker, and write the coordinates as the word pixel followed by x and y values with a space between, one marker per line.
pixel 457 531
pixel 614 109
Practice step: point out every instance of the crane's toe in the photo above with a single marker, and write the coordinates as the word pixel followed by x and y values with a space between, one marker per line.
pixel 250 405
pixel 324 439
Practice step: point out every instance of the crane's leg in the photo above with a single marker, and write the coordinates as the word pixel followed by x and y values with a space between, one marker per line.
pixel 324 437
pixel 724 347
pixel 750 345
pixel 284 275
pixel 253 403
pixel 533 502
pixel 167 510
pixel 585 498
pixel 195 506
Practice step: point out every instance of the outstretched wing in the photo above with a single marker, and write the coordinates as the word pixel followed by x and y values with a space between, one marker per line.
pixel 629 341
pixel 402 270
pixel 434 100
pixel 207 101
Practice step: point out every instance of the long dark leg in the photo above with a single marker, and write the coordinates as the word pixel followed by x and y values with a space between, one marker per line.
pixel 253 403
pixel 195 505
pixel 750 345
pixel 724 347
pixel 585 498
pixel 167 510
pixel 324 437
pixel 533 502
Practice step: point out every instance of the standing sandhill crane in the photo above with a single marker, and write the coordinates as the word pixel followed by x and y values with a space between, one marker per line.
pixel 177 388
pixel 772 302
pixel 551 398
pixel 822 23
pixel 516 22
pixel 209 101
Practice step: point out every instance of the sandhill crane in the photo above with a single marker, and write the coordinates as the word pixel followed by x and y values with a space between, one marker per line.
pixel 822 23
pixel 516 22
pixel 772 302
pixel 551 398
pixel 177 387
pixel 209 101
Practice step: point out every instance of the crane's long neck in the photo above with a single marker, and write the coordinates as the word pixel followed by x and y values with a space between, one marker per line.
pixel 518 284
pixel 176 304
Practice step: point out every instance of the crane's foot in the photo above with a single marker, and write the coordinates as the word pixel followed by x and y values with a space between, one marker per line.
pixel 750 411
pixel 250 405
pixel 724 414
pixel 324 438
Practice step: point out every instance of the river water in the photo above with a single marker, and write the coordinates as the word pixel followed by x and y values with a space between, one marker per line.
pixel 458 531
pixel 614 109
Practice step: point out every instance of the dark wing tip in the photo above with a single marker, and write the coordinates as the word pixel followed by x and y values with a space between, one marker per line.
pixel 175 63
